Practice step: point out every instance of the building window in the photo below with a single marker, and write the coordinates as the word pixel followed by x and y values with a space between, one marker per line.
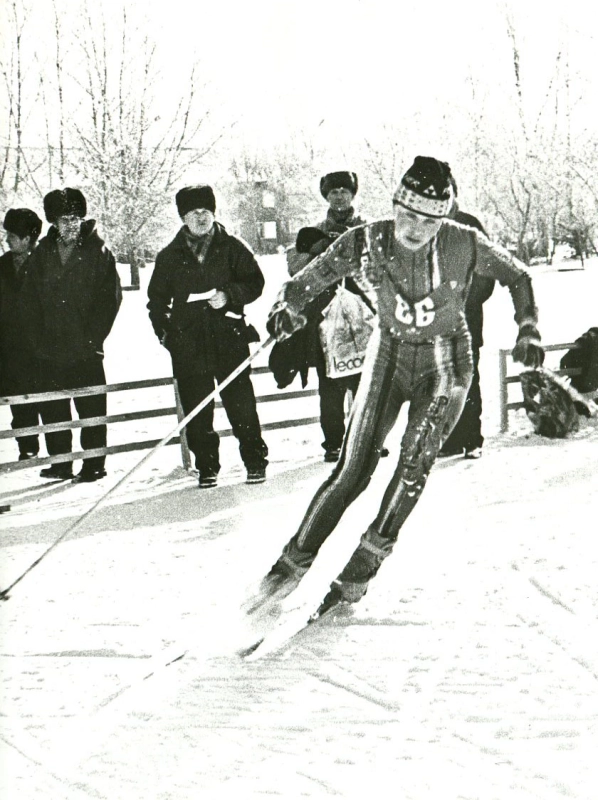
pixel 268 200
pixel 269 230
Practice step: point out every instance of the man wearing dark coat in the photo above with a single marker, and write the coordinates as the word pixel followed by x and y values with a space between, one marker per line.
pixel 201 282
pixel 466 438
pixel 17 361
pixel 71 296
pixel 339 190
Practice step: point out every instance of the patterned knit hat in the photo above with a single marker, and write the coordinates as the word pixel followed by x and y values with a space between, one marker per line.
pixel 338 180
pixel 426 188
pixel 22 222
pixel 64 203
pixel 192 197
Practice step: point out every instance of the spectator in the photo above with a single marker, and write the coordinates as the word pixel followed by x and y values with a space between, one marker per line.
pixel 466 438
pixel 201 282
pixel 72 294
pixel 339 190
pixel 17 362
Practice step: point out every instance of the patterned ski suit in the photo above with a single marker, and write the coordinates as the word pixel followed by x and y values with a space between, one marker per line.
pixel 421 353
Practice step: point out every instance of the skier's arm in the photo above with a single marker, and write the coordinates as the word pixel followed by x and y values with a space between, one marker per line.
pixel 495 262
pixel 338 261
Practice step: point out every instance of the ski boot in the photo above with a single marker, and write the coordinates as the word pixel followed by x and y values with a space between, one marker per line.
pixel 353 582
pixel 283 578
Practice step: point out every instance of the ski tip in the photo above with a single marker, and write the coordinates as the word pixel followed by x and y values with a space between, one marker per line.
pixel 249 651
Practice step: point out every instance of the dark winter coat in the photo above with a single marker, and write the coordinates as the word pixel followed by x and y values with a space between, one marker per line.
pixel 480 290
pixel 71 308
pixel 584 357
pixel 199 337
pixel 17 360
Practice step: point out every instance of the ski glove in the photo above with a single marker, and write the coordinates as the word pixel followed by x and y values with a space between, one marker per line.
pixel 283 322
pixel 528 350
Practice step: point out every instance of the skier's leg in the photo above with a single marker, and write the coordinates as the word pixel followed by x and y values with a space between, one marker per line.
pixel 436 403
pixel 373 415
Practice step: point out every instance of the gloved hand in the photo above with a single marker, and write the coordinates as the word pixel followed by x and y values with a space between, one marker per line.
pixel 528 350
pixel 283 322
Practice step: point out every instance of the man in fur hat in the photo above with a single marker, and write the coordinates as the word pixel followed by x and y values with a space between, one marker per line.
pixel 200 285
pixel 420 264
pixel 17 361
pixel 339 190
pixel 466 438
pixel 72 294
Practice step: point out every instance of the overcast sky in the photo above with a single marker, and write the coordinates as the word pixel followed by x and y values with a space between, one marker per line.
pixel 351 62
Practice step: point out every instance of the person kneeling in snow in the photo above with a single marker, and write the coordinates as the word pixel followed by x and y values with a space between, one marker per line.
pixel 421 265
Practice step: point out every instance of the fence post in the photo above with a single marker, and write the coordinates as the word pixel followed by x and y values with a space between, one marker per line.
pixel 185 453
pixel 504 390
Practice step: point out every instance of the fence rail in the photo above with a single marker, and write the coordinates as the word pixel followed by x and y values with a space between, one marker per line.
pixel 506 379
pixel 128 417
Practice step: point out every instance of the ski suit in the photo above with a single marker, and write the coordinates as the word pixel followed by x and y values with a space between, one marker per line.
pixel 421 353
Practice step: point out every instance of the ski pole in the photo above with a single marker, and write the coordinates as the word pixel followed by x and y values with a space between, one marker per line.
pixel 78 522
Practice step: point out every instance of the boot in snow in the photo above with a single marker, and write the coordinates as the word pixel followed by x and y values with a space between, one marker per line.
pixel 283 578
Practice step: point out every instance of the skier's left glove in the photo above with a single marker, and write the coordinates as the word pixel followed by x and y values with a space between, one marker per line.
pixel 283 322
pixel 528 350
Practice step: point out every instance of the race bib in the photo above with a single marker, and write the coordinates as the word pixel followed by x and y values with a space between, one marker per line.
pixel 420 314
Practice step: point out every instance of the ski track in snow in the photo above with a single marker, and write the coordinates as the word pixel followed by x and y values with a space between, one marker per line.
pixel 469 670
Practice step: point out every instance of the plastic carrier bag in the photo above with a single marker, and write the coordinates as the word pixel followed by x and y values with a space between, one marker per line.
pixel 345 332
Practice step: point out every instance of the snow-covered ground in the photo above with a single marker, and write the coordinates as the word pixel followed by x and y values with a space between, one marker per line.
pixel 469 671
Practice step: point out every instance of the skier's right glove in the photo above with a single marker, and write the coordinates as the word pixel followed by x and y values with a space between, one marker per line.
pixel 528 350
pixel 283 322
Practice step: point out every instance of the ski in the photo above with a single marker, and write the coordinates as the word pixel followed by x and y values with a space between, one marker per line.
pixel 291 623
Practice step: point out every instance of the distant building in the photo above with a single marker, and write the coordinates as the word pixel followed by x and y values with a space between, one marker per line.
pixel 268 217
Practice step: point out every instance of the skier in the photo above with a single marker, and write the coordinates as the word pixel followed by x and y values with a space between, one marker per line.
pixel 421 264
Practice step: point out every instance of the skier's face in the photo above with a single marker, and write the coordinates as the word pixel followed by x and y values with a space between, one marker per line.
pixel 413 230
pixel 69 227
pixel 339 199
pixel 199 221
pixel 18 245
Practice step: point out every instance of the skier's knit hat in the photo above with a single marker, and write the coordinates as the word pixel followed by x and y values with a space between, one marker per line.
pixel 426 188
pixel 63 203
pixel 308 237
pixel 23 222
pixel 338 180
pixel 192 197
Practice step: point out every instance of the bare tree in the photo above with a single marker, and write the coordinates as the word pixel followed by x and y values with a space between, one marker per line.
pixel 129 152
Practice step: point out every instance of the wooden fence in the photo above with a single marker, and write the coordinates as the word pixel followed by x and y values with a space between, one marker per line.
pixel 506 379
pixel 128 417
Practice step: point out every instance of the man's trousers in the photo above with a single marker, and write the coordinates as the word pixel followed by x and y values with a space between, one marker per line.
pixel 55 376
pixel 239 403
